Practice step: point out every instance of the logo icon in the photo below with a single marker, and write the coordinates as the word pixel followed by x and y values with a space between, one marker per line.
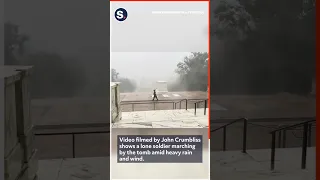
pixel 121 14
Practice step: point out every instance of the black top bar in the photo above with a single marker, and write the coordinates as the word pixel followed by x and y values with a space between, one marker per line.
pixel 292 126
pixel 71 133
pixel 241 119
pixel 161 101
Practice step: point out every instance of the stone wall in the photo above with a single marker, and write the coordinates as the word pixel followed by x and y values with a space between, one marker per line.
pixel 115 102
pixel 20 157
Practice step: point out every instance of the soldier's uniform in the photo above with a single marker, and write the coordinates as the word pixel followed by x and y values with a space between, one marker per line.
pixel 155 95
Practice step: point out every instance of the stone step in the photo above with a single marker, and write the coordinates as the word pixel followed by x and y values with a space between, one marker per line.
pixel 235 165
pixel 228 165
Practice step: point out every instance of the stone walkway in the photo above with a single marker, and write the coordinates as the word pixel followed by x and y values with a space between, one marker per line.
pixel 230 165
pixel 74 169
pixel 163 119
pixel 234 165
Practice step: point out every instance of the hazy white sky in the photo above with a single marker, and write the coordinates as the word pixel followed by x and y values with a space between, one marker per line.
pixel 149 66
pixel 144 31
pixel 156 43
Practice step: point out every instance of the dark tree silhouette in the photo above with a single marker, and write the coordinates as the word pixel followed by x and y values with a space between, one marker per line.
pixel 193 73
pixel 13 43
pixel 268 47
pixel 126 85
pixel 54 76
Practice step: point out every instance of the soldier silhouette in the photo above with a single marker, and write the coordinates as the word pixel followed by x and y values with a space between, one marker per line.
pixel 155 95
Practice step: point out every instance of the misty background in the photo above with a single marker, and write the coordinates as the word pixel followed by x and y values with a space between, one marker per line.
pixel 262 47
pixel 67 42
pixel 157 66
pixel 139 71
pixel 151 32
pixel 257 46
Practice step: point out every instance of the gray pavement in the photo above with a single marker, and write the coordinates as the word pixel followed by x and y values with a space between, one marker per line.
pixel 230 165
pixel 94 145
pixel 263 106
pixel 234 165
pixel 96 110
pixel 75 111
pixel 258 136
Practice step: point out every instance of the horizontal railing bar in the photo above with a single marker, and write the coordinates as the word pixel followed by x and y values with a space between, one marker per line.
pixel 181 101
pixel 299 128
pixel 55 131
pixel 154 102
pixel 297 119
pixel 274 127
pixel 72 126
pixel 171 100
pixel 241 119
pixel 292 126
pixel 201 101
pixel 71 133
pixel 147 102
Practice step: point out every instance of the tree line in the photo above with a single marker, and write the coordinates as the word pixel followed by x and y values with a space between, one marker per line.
pixel 264 47
pixel 192 73
pixel 257 47
pixel 53 75
pixel 126 84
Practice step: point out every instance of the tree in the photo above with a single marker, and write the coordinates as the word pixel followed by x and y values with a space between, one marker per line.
pixel 126 85
pixel 268 47
pixel 231 20
pixel 13 43
pixel 193 72
pixel 114 75
pixel 54 76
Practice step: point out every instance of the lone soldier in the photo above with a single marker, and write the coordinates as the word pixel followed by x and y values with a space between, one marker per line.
pixel 155 95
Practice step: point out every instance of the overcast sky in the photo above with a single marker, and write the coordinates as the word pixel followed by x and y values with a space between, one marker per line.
pixel 156 43
pixel 147 66
pixel 144 31
pixel 74 28
pixel 79 28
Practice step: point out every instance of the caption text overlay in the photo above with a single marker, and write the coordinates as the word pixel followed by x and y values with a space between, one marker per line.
pixel 160 149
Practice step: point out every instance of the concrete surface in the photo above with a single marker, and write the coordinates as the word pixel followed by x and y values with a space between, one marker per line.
pixel 74 169
pixel 158 105
pixel 60 146
pixel 164 119
pixel 64 111
pixel 234 165
pixel 145 96
pixel 258 135
pixel 60 111
pixel 230 165
pixel 94 145
pixel 93 110
pixel 263 106
pixel 76 111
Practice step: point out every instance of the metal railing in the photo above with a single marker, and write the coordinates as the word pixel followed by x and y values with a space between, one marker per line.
pixel 306 141
pixel 196 105
pixel 174 103
pixel 282 136
pixel 244 140
pixel 154 103
pixel 281 131
pixel 73 136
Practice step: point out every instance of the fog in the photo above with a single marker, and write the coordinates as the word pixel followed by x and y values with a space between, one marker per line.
pixel 147 67
pixel 151 32
pixel 277 56
pixel 76 29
